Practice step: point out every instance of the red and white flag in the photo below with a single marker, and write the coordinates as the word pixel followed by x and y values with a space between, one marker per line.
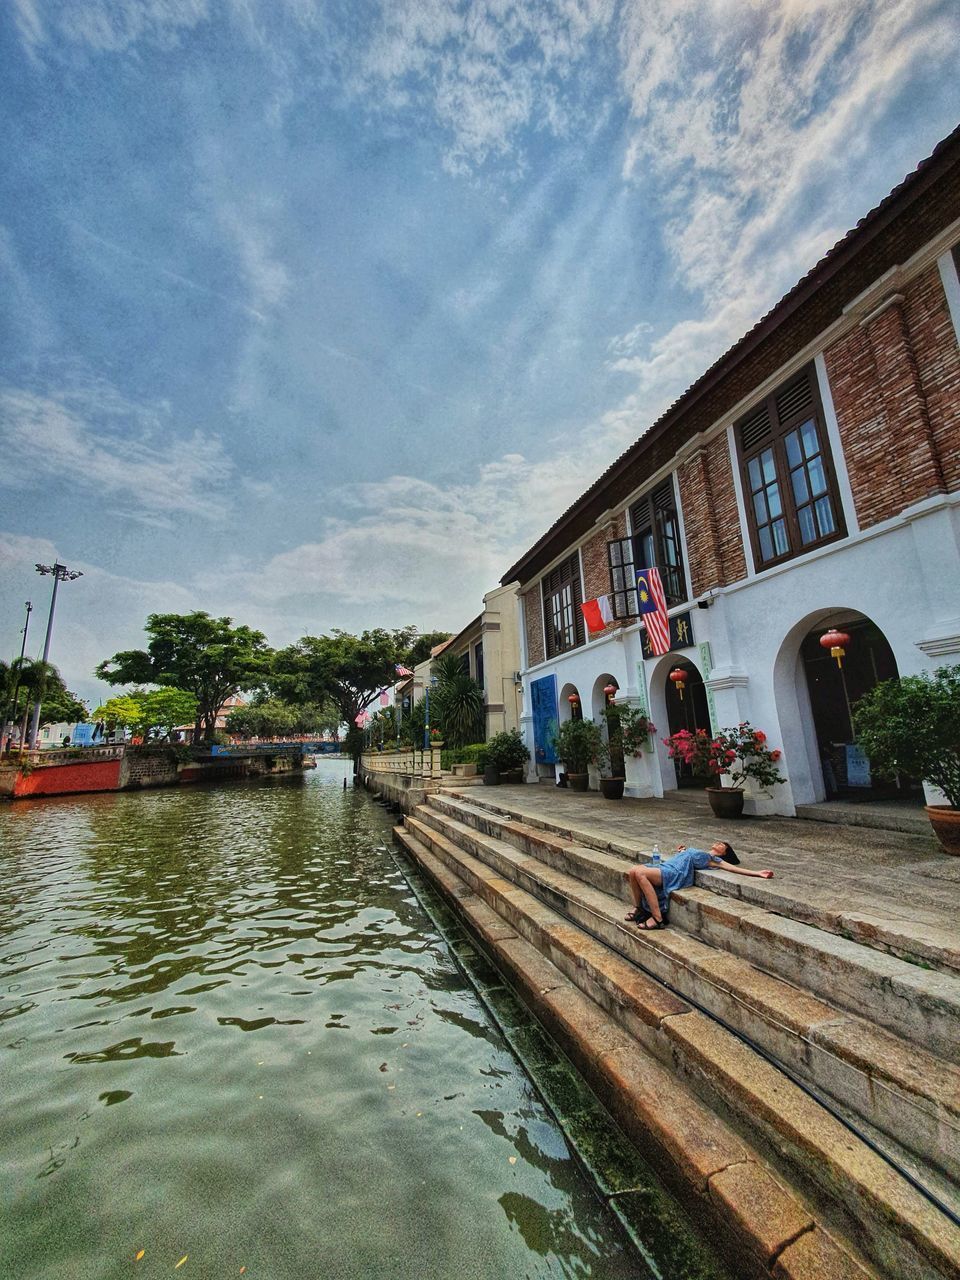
pixel 598 613
pixel 653 609
pixel 401 670
pixel 384 699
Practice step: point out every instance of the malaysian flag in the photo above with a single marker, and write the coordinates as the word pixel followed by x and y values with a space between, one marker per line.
pixel 653 609
pixel 401 670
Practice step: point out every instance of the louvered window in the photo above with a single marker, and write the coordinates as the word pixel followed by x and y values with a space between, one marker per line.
pixel 789 486
pixel 561 607
pixel 655 544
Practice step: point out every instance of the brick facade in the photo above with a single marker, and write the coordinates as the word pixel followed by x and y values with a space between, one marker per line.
pixel 714 545
pixel 533 622
pixel 596 566
pixel 895 381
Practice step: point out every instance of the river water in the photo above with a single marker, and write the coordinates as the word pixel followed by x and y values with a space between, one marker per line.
pixel 230 1033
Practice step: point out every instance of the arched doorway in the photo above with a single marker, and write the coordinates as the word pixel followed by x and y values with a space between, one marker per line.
pixel 834 690
pixel 605 689
pixel 687 709
pixel 571 706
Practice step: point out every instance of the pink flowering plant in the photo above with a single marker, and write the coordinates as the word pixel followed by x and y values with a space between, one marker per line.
pixel 634 726
pixel 738 753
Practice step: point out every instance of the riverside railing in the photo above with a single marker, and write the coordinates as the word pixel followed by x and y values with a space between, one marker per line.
pixel 407 761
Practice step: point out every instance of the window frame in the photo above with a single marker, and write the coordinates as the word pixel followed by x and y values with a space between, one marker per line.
pixel 784 422
pixel 650 511
pixel 563 579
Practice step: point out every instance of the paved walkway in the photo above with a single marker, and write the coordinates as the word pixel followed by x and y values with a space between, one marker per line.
pixel 873 884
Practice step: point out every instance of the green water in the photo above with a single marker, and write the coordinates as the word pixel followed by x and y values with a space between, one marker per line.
pixel 229 1031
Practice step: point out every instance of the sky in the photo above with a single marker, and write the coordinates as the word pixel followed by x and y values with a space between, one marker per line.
pixel 318 313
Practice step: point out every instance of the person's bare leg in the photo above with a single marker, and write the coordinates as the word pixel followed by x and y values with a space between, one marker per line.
pixel 642 881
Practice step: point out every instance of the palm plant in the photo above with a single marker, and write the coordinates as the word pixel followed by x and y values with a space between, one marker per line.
pixel 456 702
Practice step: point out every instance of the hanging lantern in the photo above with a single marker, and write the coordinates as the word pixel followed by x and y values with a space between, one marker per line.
pixel 609 690
pixel 679 678
pixel 838 642
pixel 573 699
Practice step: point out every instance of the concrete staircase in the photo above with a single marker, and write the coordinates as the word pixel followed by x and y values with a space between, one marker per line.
pixel 733 1046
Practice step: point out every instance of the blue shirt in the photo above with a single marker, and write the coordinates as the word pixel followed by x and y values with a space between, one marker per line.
pixel 678 872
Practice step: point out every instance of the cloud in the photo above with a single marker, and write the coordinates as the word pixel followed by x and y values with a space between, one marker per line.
pixel 104 444
pixel 751 118
pixel 106 26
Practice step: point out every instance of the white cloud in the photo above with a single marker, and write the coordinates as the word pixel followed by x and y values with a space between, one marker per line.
pixel 106 26
pixel 755 116
pixel 102 444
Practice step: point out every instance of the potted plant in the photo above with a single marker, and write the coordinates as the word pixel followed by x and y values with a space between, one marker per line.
pixel 506 753
pixel 610 760
pixel 579 745
pixel 636 730
pixel 736 754
pixel 912 726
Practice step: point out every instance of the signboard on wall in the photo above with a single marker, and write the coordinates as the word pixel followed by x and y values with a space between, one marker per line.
pixel 858 767
pixel 543 705
pixel 681 635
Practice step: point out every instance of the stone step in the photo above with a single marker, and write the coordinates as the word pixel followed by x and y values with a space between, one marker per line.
pixel 854 1192
pixel 760 1224
pixel 916 1004
pixel 925 946
pixel 898 818
pixel 900 1090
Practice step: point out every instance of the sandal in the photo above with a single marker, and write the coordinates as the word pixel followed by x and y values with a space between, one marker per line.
pixel 633 916
pixel 653 923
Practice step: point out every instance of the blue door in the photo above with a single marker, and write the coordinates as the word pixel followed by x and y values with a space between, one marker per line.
pixel 543 697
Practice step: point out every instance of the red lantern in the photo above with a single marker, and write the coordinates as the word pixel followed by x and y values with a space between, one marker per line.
pixel 609 690
pixel 679 678
pixel 838 642
pixel 573 698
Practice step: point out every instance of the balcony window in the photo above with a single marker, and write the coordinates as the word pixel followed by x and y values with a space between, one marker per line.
pixel 789 485
pixel 562 597
pixel 655 543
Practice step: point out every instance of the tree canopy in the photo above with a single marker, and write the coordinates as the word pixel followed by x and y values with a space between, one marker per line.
pixel 147 712
pixel 274 718
pixel 36 679
pixel 205 656
pixel 420 648
pixel 349 670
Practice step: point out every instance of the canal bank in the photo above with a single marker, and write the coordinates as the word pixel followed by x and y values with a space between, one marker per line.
pixel 814 1096
pixel 232 1034
pixel 86 770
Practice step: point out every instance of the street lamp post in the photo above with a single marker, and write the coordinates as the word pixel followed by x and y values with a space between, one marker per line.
pixel 60 574
pixel 10 709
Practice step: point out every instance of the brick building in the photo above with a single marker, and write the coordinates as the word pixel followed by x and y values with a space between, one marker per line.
pixel 809 479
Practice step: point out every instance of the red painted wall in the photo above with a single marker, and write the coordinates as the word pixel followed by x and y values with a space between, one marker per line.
pixel 62 779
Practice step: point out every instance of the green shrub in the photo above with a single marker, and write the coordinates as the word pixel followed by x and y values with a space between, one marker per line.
pixel 580 744
pixel 912 726
pixel 507 751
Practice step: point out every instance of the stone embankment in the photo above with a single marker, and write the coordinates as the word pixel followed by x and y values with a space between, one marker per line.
pixel 122 768
pixel 797 1088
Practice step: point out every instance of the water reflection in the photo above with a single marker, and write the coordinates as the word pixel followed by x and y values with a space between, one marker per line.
pixel 308 1085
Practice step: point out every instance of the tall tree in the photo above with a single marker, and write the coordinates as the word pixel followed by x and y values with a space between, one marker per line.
pixel 32 679
pixel 207 657
pixel 350 670
pixel 420 647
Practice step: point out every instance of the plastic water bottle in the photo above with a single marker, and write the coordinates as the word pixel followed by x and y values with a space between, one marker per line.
pixel 655 859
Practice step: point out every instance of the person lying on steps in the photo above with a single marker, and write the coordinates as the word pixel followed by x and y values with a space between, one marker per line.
pixel 651 887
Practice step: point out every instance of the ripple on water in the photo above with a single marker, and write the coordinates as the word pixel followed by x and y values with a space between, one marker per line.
pixel 229 1031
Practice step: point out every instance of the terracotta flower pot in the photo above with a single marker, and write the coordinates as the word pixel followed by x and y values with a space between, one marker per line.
pixel 612 788
pixel 946 826
pixel 578 781
pixel 726 802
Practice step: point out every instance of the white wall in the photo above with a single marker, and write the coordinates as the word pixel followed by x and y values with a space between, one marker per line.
pixel 903 575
